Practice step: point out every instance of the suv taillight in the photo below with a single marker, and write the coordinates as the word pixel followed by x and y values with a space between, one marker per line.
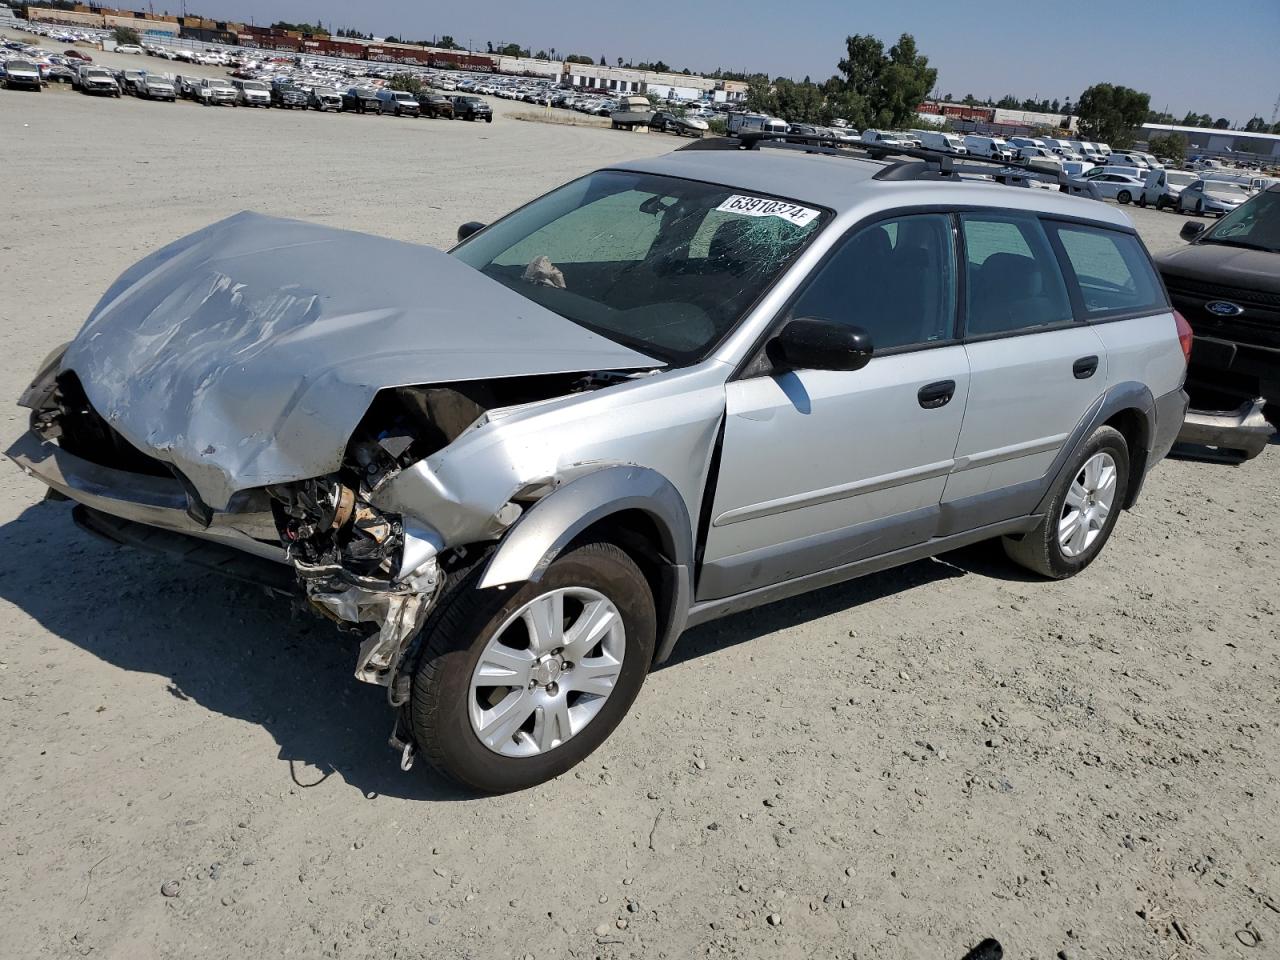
pixel 1185 336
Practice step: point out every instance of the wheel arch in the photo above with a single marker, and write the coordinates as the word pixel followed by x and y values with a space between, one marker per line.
pixel 1136 427
pixel 635 507
pixel 1129 407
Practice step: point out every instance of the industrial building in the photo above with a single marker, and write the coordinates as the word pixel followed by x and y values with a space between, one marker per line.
pixel 1215 142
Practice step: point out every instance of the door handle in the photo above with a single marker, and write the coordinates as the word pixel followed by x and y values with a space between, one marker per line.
pixel 1085 367
pixel 934 395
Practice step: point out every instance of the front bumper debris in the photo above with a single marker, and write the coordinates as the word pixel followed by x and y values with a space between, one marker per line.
pixel 1243 431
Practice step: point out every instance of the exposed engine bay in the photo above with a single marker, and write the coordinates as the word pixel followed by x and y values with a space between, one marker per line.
pixel 377 572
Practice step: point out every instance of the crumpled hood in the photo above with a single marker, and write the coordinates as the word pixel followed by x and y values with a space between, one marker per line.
pixel 246 353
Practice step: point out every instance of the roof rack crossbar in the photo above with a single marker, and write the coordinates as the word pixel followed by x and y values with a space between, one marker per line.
pixel 936 164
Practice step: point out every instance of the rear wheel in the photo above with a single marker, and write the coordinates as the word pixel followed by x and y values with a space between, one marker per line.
pixel 516 687
pixel 1082 512
pixel 1124 196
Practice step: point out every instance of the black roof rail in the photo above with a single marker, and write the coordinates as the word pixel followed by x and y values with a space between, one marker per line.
pixel 928 164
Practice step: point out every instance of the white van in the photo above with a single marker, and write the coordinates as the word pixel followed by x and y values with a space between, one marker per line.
pixel 993 147
pixel 1127 160
pixel 1077 168
pixel 1027 142
pixel 1038 153
pixel 1164 186
pixel 951 143
pixel 1064 148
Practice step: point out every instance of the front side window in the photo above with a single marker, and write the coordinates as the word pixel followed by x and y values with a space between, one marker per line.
pixel 1013 282
pixel 664 265
pixel 1112 270
pixel 894 279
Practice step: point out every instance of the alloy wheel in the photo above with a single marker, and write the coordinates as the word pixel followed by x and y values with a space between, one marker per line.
pixel 1089 501
pixel 547 672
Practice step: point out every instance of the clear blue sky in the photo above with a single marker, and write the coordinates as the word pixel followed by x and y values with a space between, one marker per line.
pixel 1222 59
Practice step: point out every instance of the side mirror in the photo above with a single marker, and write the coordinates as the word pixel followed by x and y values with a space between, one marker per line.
pixel 812 344
pixel 1190 230
pixel 468 228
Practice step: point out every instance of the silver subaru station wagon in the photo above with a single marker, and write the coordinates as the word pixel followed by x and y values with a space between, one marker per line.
pixel 665 392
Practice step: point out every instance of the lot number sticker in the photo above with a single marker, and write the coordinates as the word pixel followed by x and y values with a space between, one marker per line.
pixel 761 207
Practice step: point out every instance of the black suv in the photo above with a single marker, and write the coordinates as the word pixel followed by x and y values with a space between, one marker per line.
pixel 472 108
pixel 1227 285
pixel 288 96
pixel 362 100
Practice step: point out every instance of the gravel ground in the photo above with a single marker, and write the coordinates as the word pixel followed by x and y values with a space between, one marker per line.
pixel 893 768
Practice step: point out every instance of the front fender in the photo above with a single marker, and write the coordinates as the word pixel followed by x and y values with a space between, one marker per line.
pixel 538 537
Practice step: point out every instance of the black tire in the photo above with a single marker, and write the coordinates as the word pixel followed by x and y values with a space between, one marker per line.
pixel 1124 196
pixel 455 638
pixel 1039 550
pixel 1199 208
pixel 489 119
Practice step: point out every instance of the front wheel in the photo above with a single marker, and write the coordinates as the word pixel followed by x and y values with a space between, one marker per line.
pixel 1082 511
pixel 516 687
pixel 1124 196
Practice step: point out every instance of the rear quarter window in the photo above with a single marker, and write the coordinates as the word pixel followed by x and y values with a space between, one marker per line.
pixel 1112 271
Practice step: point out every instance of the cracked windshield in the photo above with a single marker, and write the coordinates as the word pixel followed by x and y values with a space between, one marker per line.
pixel 664 265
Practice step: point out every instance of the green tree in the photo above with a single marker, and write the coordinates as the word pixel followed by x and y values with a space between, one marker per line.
pixel 1257 125
pixel 1171 146
pixel 578 58
pixel 904 84
pixel 1222 123
pixel 799 102
pixel 307 29
pixel 448 43
pixel 1109 113
pixel 127 35
pixel 760 97
pixel 405 81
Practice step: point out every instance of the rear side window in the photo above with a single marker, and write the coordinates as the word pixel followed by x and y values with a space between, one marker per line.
pixel 1111 270
pixel 1012 279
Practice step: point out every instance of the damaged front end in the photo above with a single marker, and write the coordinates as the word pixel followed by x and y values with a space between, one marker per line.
pixel 360 567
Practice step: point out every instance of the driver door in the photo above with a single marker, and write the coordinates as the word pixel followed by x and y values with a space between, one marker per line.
pixel 822 468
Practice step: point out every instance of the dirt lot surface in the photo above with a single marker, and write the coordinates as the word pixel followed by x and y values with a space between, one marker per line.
pixel 893 768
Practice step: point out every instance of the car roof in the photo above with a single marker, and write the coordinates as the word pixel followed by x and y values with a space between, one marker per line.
pixel 843 183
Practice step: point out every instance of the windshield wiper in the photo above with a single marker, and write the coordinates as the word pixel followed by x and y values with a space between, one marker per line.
pixel 1232 242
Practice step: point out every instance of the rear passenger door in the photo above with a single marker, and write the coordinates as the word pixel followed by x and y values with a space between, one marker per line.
pixel 1034 369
